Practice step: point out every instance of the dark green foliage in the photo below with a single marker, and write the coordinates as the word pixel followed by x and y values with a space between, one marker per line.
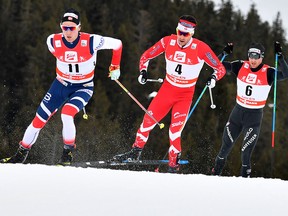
pixel 28 69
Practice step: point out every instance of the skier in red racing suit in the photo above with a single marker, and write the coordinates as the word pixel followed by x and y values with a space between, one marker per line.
pixel 185 57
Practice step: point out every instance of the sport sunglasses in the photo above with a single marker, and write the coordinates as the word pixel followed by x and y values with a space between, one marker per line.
pixel 254 55
pixel 185 34
pixel 71 28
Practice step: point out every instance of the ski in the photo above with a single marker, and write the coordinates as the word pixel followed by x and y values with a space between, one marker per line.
pixel 123 163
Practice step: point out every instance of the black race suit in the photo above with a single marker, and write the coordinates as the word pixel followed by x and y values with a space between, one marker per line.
pixel 244 120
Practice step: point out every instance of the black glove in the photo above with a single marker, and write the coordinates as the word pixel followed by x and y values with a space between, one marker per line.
pixel 142 79
pixel 228 49
pixel 211 82
pixel 278 48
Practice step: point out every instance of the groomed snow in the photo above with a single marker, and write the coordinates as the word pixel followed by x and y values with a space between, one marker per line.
pixel 40 190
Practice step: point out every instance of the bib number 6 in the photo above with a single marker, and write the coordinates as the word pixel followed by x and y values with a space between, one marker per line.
pixel 248 91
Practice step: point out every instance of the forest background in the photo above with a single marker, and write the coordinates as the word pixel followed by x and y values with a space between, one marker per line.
pixel 28 69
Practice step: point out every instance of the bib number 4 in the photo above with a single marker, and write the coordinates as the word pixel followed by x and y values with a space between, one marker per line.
pixel 178 69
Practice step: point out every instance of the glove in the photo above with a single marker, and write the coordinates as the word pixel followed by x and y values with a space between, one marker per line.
pixel 228 49
pixel 142 79
pixel 278 48
pixel 211 82
pixel 114 72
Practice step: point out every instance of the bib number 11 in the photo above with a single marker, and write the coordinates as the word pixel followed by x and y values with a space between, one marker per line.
pixel 73 69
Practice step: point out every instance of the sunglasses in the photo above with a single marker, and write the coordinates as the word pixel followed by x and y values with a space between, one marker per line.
pixel 71 28
pixel 254 55
pixel 185 34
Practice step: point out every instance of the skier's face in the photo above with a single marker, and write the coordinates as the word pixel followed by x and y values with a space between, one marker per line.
pixel 70 30
pixel 254 63
pixel 255 58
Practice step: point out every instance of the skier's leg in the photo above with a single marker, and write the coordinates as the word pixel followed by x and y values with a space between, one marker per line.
pixel 77 101
pixel 251 135
pixel 75 104
pixel 48 106
pixel 179 114
pixel 158 108
pixel 231 132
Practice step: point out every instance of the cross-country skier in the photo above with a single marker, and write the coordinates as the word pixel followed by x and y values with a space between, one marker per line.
pixel 185 57
pixel 254 80
pixel 75 54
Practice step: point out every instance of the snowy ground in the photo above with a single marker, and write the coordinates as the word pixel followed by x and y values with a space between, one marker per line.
pixel 40 190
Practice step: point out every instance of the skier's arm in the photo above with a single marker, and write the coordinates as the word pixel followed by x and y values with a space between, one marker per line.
pixel 49 43
pixel 282 70
pixel 100 43
pixel 235 66
pixel 228 49
pixel 210 58
pixel 154 51
pixel 149 54
pixel 231 67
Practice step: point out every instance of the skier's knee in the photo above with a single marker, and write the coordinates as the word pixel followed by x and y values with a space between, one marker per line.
pixel 37 122
pixel 69 110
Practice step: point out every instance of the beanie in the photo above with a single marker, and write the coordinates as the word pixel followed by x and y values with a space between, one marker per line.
pixel 256 48
pixel 71 15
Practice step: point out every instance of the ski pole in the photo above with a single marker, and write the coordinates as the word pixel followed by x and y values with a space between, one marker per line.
pixel 274 101
pixel 157 168
pixel 155 80
pixel 85 116
pixel 161 125
pixel 213 106
pixel 274 116
pixel 197 101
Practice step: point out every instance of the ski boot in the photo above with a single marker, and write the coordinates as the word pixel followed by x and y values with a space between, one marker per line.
pixel 174 169
pixel 67 155
pixel 19 157
pixel 219 165
pixel 173 165
pixel 245 171
pixel 131 156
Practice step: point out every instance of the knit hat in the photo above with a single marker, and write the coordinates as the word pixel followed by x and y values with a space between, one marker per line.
pixel 256 49
pixel 71 15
